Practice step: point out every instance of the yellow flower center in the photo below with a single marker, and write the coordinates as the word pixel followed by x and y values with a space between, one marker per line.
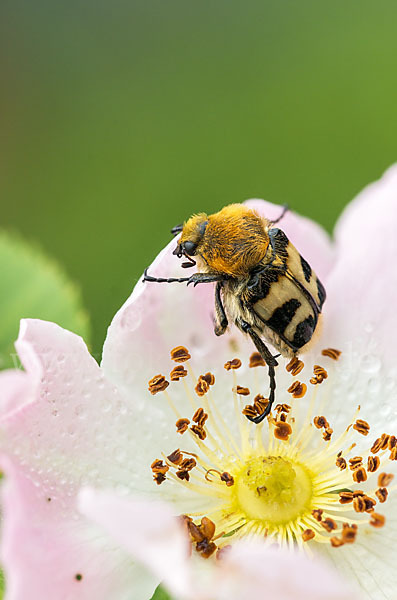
pixel 273 490
pixel 289 479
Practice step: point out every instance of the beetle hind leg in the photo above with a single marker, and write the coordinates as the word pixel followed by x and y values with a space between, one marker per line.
pixel 271 364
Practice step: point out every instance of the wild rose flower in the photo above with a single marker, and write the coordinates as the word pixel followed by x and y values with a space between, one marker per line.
pixel 69 424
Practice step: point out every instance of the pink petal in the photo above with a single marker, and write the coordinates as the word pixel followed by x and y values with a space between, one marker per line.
pixel 149 530
pixel 362 289
pixel 256 571
pixel 311 240
pixel 45 551
pixel 15 391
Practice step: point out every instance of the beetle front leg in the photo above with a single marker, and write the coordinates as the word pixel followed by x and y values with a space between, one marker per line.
pixel 221 321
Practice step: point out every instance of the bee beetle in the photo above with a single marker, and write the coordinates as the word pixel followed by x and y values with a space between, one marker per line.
pixel 263 284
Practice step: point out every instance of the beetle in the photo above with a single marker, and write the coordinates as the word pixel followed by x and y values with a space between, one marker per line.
pixel 263 284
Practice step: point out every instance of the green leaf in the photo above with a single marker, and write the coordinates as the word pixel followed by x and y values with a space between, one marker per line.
pixel 2 585
pixel 159 594
pixel 33 285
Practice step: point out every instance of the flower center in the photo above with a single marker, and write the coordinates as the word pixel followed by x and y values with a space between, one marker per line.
pixel 273 489
pixel 290 479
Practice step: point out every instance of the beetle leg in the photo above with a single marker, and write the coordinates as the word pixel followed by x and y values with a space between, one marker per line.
pixel 271 364
pixel 195 279
pixel 147 277
pixel 221 321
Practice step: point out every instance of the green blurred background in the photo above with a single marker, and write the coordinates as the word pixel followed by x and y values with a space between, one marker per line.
pixel 121 118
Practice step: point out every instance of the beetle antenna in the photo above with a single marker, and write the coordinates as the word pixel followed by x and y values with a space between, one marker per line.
pixel 284 211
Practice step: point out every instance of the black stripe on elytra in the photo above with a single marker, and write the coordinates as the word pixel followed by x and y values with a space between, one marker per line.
pixel 321 292
pixel 283 315
pixel 259 283
pixel 304 332
pixel 306 268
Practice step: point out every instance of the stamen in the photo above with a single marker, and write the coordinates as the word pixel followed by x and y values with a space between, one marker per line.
pixel 377 520
pixel 282 430
pixel 359 475
pixel 242 391
pixel 180 354
pixel 361 426
pixel 381 494
pixel 295 366
pixel 308 534
pixel 232 364
pixel 256 360
pixel 319 375
pixel 182 425
pixel 158 384
pixel 202 386
pixel 331 353
pixel 380 443
pixel 178 372
pixel 384 479
pixel 373 463
pixel 297 389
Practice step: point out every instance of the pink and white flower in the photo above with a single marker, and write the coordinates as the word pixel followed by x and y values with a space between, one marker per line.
pixel 69 424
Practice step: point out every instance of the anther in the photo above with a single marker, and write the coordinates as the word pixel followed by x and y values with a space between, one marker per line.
pixel 393 454
pixel 250 411
pixel 359 504
pixel 392 443
pixel 232 364
pixel 227 478
pixel 180 354
pixel 182 425
pixel 381 494
pixel 209 378
pixel 188 464
pixel 175 457
pixel 319 375
pixel 320 422
pixel 359 475
pixel 183 474
pixel 345 497
pixel 199 431
pixel 178 372
pixel 355 462
pixel 380 443
pixel 384 479
pixel 297 389
pixel 331 353
pixel 202 387
pixel 307 535
pixel 282 430
pixel 361 426
pixel 373 464
pixel 159 478
pixel 336 542
pixel 158 384
pixel 242 391
pixel 341 463
pixel 377 520
pixel 349 533
pixel 329 524
pixel 318 514
pixel 200 417
pixel 260 404
pixel 256 360
pixel 158 466
pixel 295 366
pixel 327 433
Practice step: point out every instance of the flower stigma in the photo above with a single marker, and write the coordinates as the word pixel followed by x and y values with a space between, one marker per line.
pixel 288 479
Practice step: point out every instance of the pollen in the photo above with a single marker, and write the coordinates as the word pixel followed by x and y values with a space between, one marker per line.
pixel 277 481
pixel 256 360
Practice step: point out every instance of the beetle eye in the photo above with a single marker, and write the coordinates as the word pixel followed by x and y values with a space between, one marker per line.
pixel 189 247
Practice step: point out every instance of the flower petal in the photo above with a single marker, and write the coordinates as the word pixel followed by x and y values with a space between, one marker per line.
pixel 249 569
pixel 149 530
pixel 47 553
pixel 15 391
